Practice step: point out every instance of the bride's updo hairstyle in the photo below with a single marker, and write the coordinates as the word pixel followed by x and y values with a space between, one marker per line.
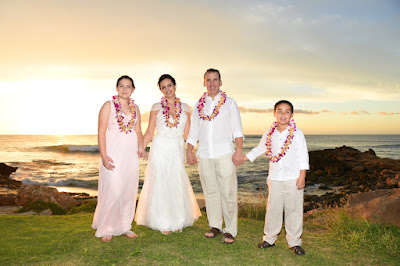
pixel 165 76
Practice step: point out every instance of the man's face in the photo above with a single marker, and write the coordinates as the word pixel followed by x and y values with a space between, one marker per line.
pixel 212 83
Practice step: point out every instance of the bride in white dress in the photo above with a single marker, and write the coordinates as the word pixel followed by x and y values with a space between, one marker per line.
pixel 167 202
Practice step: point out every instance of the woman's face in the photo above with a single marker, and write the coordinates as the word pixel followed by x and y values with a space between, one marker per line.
pixel 167 88
pixel 125 88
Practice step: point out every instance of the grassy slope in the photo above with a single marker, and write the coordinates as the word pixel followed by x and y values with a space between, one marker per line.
pixel 68 239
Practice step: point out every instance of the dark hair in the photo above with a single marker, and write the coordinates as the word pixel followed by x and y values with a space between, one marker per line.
pixel 284 101
pixel 125 77
pixel 213 70
pixel 165 76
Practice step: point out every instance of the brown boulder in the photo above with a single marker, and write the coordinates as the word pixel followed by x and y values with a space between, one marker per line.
pixel 7 195
pixel 379 206
pixel 5 170
pixel 358 169
pixel 7 199
pixel 31 193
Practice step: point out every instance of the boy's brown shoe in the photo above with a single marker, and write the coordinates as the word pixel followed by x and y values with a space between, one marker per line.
pixel 298 250
pixel 265 244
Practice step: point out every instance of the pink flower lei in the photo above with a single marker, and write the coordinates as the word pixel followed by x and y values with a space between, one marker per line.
pixel 286 144
pixel 215 112
pixel 120 118
pixel 178 111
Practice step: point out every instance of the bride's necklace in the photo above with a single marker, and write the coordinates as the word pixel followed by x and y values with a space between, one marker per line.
pixel 215 112
pixel 178 111
pixel 120 118
pixel 286 144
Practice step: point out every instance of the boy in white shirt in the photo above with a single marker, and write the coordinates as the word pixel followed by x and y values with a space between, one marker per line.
pixel 286 146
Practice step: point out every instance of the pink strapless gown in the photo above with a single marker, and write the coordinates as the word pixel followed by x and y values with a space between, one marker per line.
pixel 117 196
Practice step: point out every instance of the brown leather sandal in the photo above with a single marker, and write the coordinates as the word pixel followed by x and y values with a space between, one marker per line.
pixel 298 250
pixel 228 236
pixel 214 231
pixel 265 244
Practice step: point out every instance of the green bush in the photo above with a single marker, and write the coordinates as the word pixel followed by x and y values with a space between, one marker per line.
pixel 253 207
pixel 359 233
pixel 87 206
pixel 40 205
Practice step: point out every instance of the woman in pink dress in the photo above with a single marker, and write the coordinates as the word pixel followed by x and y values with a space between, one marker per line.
pixel 120 142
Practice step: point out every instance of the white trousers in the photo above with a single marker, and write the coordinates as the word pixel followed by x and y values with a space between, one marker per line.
pixel 284 197
pixel 219 182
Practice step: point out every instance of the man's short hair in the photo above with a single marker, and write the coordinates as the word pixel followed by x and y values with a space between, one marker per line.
pixel 212 70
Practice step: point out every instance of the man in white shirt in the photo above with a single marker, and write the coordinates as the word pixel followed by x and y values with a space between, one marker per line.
pixel 215 124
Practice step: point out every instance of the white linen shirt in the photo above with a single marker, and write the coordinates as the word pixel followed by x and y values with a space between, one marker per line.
pixel 289 166
pixel 216 136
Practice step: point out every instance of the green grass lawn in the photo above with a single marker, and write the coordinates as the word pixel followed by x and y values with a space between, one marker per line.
pixel 329 238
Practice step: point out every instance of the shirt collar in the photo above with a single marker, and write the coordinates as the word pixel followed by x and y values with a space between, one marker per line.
pixel 283 131
pixel 217 97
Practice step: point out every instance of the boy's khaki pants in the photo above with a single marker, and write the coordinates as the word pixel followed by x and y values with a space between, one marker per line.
pixel 284 197
pixel 219 182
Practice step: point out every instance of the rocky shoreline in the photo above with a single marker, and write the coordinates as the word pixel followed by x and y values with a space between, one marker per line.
pixel 15 193
pixel 344 169
pixel 350 171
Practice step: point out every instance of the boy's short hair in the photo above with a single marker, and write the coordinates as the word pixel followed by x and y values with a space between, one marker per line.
pixel 284 101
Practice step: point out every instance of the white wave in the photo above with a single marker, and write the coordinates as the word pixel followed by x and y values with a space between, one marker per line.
pixel 61 183
pixel 84 148
pixel 72 148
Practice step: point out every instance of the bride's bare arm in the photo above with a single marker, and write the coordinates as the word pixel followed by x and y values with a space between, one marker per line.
pixel 187 127
pixel 138 130
pixel 150 128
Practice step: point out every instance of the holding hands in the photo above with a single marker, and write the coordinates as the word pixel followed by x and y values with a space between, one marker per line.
pixel 238 157
pixel 191 158
pixel 143 154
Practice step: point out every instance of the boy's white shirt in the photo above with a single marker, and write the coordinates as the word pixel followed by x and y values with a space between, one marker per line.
pixel 289 166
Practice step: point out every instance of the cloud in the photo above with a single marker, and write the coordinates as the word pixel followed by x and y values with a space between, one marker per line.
pixel 328 111
pixel 255 110
pixel 387 113
pixel 306 112
pixel 271 110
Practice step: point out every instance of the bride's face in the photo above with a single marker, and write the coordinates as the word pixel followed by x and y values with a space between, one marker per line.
pixel 167 88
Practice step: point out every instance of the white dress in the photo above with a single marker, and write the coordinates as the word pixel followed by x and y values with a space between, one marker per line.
pixel 167 201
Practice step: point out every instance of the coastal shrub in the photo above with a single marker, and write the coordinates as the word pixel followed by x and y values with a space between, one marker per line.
pixel 253 207
pixel 252 210
pixel 87 206
pixel 359 233
pixel 40 205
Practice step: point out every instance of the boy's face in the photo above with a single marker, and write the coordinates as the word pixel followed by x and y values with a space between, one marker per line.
pixel 283 113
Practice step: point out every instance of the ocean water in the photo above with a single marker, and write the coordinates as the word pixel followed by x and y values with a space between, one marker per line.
pixel 71 163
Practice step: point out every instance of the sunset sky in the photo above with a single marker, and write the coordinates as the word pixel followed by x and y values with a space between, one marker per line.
pixel 338 62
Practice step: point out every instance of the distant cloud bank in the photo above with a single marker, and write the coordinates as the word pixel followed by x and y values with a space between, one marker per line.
pixel 308 112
